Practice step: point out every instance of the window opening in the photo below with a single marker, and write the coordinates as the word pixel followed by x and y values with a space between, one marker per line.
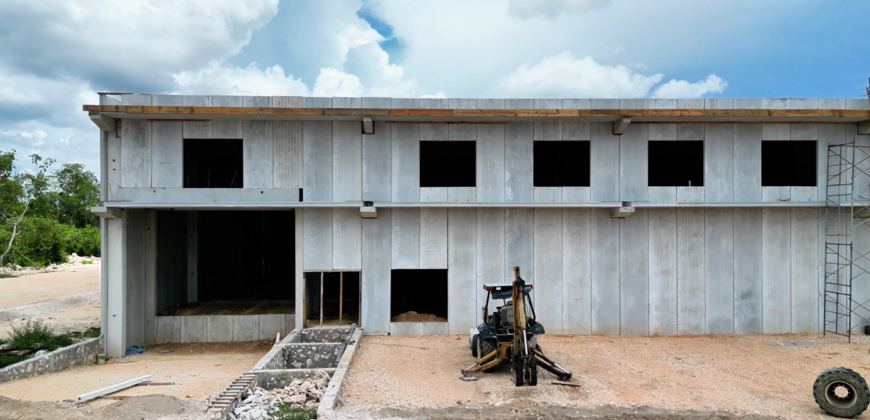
pixel 676 163
pixel 561 164
pixel 212 163
pixel 788 163
pixel 332 297
pixel 418 296
pixel 447 163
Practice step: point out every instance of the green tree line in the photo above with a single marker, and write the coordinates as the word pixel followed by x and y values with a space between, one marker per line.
pixel 45 213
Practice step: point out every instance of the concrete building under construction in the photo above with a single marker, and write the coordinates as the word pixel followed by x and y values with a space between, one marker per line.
pixel 235 218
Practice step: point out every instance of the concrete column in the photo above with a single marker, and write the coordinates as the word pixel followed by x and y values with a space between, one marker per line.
pixel 192 256
pixel 115 310
pixel 299 275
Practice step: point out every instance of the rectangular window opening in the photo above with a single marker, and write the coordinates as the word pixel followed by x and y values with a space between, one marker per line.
pixel 336 293
pixel 418 296
pixel 561 163
pixel 212 163
pixel 676 163
pixel 788 163
pixel 447 163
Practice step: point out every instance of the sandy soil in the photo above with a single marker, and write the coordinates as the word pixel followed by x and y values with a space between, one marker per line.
pixel 152 407
pixel 31 288
pixel 769 374
pixel 412 316
pixel 198 371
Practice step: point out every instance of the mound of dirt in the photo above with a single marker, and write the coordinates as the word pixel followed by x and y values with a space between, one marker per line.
pixel 412 316
pixel 148 407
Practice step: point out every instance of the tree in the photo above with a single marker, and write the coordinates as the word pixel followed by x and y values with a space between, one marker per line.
pixel 33 186
pixel 77 191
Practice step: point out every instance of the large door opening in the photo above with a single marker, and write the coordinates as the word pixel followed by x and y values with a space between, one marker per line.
pixel 332 298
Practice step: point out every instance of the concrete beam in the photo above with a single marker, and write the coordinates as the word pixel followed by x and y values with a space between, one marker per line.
pixel 105 123
pixel 106 212
pixel 620 125
pixel 864 127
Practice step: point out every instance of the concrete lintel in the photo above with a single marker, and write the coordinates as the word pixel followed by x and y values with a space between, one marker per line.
pixel 620 125
pixel 105 123
pixel 621 212
pixel 864 127
pixel 107 212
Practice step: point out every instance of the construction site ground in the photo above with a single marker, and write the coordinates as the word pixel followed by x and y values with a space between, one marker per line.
pixel 620 377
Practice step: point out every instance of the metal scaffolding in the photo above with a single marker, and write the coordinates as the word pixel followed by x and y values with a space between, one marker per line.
pixel 846 212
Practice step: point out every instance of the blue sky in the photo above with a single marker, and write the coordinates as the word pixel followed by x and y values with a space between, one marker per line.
pixel 56 54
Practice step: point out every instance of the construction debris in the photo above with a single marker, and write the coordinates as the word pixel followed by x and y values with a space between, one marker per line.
pixel 112 388
pixel 412 316
pixel 259 402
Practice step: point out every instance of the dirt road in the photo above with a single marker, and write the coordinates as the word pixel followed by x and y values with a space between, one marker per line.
pixel 769 374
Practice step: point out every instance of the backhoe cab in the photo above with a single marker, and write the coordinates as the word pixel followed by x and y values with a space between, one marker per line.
pixel 509 334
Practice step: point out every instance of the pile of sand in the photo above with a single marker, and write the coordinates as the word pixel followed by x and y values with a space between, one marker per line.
pixel 412 316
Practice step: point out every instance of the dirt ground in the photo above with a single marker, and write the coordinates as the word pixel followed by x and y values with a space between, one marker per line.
pixel 769 375
pixel 35 287
pixel 151 407
pixel 198 371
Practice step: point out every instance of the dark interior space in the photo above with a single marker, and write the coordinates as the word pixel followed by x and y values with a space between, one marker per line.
pixel 421 291
pixel 788 163
pixel 561 163
pixel 246 255
pixel 212 163
pixel 447 163
pixel 335 284
pixel 171 259
pixel 676 163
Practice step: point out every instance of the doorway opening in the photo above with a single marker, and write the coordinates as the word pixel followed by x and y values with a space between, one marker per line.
pixel 332 298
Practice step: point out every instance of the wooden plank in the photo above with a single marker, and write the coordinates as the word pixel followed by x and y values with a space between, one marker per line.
pixel 219 328
pixel 667 195
pixel 433 238
pixel 135 154
pixel 604 151
pixel 546 130
pixel 346 239
pixel 747 271
pixel 433 195
pixel 405 165
pixel 663 271
pixel 576 277
pixel 490 182
pixel 375 305
pixel 718 162
pixel 691 294
pixel 405 238
pixel 376 164
pixel 317 161
pixel 519 147
pixel 318 238
pixel 576 194
pixel 547 277
pixel 490 250
pixel 605 272
pixel 346 161
pixel 519 239
pixel 634 274
pixel 462 270
pixel 719 258
pixel 548 194
pixel 246 327
pixel 776 275
pixel 634 163
pixel 287 150
pixel 258 155
pixel 804 270
pixel 747 163
pixel 167 152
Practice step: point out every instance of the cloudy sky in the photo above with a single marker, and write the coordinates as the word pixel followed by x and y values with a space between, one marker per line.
pixel 56 54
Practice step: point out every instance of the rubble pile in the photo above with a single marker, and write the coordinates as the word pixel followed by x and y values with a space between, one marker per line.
pixel 259 402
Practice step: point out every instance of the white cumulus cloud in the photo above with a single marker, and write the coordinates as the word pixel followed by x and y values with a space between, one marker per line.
pixel 684 89
pixel 552 8
pixel 230 80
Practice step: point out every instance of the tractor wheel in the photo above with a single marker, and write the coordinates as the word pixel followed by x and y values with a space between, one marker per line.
pixel 533 372
pixel 486 347
pixel 841 392
pixel 474 345
pixel 517 366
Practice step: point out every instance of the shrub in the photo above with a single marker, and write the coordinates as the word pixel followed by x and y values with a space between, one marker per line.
pixel 45 241
pixel 35 334
pixel 291 412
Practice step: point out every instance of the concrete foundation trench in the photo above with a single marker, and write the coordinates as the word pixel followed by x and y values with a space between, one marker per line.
pixel 310 354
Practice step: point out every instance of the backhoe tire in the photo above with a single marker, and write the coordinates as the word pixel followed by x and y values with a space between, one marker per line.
pixel 486 347
pixel 841 392
pixel 474 345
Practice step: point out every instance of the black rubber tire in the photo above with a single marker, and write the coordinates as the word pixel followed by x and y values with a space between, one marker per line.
pixel 533 372
pixel 474 345
pixel 517 367
pixel 853 404
pixel 486 347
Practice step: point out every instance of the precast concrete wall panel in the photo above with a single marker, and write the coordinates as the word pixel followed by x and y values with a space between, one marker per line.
pixel 690 131
pixel 776 251
pixel 691 294
pixel 548 194
pixel 775 132
pixel 634 163
pixel 518 162
pixel 804 132
pixel 346 161
pixel 376 164
pixel 317 161
pixel 134 267
pixel 437 132
pixel 828 134
pixel 167 154
pixel 748 271
pixel 719 258
pixel 576 277
pixel 719 162
pixel 490 250
pixel 433 195
pixel 433 238
pixel 375 305
pixel 548 130
pixel 634 274
pixel 346 239
pixel 576 194
pixel 747 163
pixel 803 194
pixel 663 195
pixel 197 129
pixel 663 271
pixel 605 273
pixel 576 130
pixel 461 194
pixel 257 154
pixel 405 234
pixel 861 283
pixel 490 157
pixel 690 194
pixel 462 313
pixel 663 131
pixel 227 129
pixel 804 276
pixel 318 238
pixel 287 150
pixel 136 153
pixel 604 151
pixel 547 277
pixel 461 131
pixel 775 194
pixel 519 241
pixel 405 167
